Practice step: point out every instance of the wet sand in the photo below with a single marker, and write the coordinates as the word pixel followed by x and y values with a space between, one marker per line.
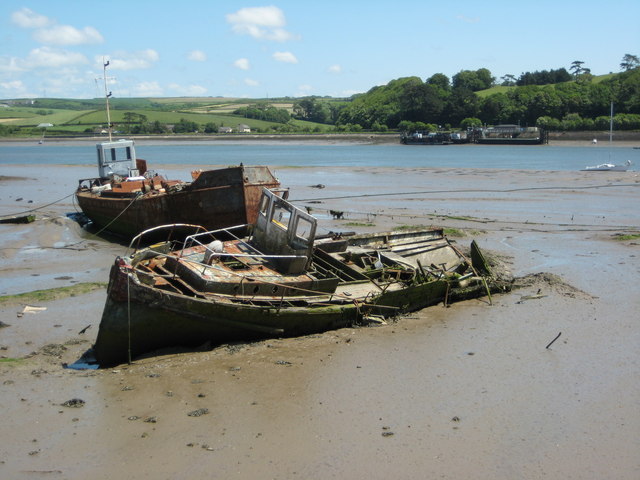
pixel 468 391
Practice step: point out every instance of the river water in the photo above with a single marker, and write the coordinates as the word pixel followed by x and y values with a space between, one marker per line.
pixel 547 157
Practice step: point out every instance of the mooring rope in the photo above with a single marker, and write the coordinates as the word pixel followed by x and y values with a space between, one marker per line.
pixel 128 319
pixel 471 190
pixel 37 208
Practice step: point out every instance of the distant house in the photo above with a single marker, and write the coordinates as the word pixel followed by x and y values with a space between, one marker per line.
pixel 242 128
pixel 225 130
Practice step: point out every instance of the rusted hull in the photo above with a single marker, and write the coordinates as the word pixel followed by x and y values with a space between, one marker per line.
pixel 211 208
pixel 217 199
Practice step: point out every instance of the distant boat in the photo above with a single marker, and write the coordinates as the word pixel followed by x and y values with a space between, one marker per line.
pixel 608 167
pixel 511 135
pixel 44 127
pixel 426 138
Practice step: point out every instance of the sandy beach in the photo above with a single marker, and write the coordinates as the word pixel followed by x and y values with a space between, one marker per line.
pixel 468 391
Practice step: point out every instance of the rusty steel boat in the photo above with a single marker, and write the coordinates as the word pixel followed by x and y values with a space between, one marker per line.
pixel 280 281
pixel 126 198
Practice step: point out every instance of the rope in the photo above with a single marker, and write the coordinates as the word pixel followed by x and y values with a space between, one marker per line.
pixel 37 208
pixel 96 234
pixel 428 192
pixel 107 225
pixel 129 319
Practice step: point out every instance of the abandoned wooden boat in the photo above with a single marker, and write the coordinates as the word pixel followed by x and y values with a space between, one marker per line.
pixel 126 198
pixel 278 282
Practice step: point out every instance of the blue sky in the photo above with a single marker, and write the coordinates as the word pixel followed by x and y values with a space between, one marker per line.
pixel 294 48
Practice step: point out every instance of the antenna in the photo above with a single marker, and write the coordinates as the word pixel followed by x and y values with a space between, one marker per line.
pixel 106 95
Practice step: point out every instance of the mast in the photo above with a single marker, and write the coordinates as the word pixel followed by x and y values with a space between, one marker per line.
pixel 611 125
pixel 108 94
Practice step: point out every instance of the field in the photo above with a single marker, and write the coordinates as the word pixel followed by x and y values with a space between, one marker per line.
pixel 69 116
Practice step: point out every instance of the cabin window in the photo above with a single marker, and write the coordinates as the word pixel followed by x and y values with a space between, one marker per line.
pixel 303 229
pixel 120 154
pixel 264 205
pixel 281 216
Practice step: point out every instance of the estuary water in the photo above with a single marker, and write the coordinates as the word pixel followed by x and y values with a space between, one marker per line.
pixel 546 157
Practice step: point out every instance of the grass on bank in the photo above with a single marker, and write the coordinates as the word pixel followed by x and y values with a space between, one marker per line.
pixel 622 237
pixel 51 294
pixel 359 224
pixel 449 232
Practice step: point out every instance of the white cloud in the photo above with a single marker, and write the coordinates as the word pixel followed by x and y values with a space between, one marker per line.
pixel 250 82
pixel 335 69
pixel 466 19
pixel 131 60
pixel 189 90
pixel 49 32
pixel 242 64
pixel 304 90
pixel 263 23
pixel 67 82
pixel 11 65
pixel 197 56
pixel 14 87
pixel 147 89
pixel 27 18
pixel 47 57
pixel 285 57
pixel 68 35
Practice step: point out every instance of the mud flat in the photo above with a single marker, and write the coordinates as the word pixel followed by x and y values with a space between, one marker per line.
pixel 469 391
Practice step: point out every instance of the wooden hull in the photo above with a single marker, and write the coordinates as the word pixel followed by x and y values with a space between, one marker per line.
pixel 279 282
pixel 217 199
pixel 139 318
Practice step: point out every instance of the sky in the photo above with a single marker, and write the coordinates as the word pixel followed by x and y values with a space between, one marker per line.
pixel 294 48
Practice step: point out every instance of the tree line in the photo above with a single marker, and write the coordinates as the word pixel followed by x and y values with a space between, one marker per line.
pixel 535 98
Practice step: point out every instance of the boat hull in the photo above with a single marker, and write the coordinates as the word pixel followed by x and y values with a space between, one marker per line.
pixel 138 318
pixel 510 141
pixel 613 168
pixel 217 199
